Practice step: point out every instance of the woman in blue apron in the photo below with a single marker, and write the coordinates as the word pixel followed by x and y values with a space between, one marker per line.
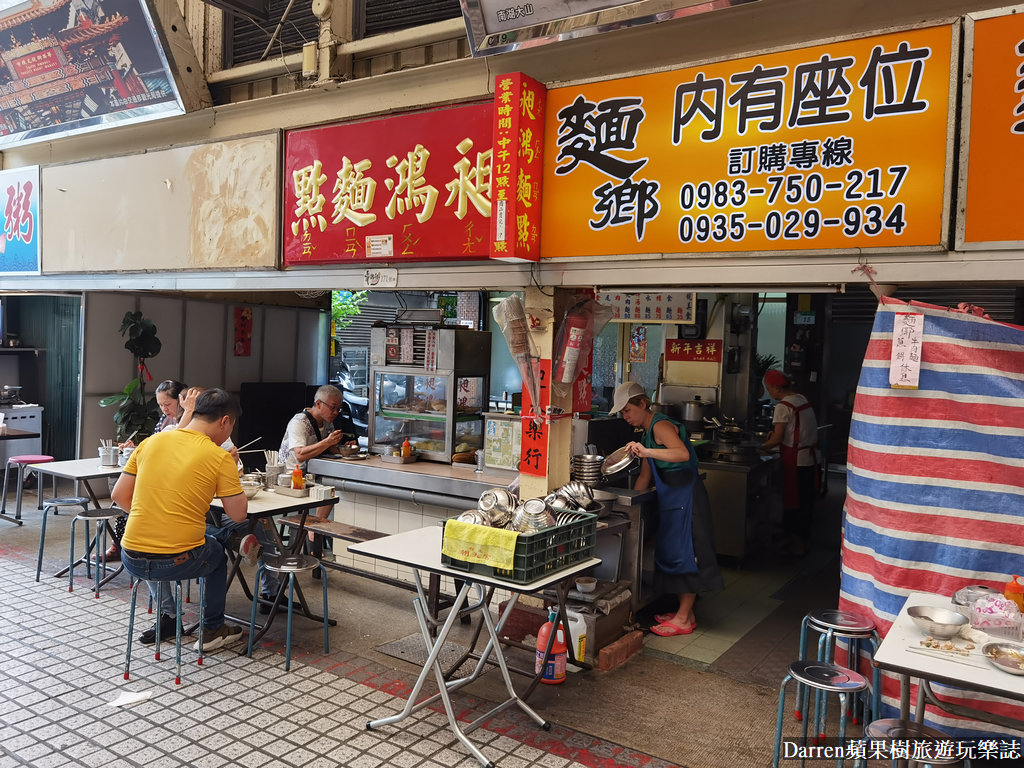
pixel 684 553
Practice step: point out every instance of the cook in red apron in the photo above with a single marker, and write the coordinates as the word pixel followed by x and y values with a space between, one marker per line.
pixel 798 482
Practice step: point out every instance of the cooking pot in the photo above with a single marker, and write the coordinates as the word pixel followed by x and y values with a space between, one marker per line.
pixel 696 410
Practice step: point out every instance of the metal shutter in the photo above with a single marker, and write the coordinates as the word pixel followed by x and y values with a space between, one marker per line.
pixel 249 39
pixel 389 15
pixel 858 304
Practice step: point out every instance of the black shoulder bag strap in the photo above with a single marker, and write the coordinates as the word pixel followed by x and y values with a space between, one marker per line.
pixel 313 424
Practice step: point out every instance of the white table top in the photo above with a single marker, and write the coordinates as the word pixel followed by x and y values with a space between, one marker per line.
pixel 972 672
pixel 77 469
pixel 269 502
pixel 421 549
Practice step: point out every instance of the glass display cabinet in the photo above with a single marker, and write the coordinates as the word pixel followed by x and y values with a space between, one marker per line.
pixel 428 385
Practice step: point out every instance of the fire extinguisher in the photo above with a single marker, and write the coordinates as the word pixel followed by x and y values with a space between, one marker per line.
pixel 575 330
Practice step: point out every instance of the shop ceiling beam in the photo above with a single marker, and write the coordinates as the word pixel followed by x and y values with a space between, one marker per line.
pixel 181 55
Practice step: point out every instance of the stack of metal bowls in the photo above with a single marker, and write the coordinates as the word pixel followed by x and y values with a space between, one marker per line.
pixel 497 504
pixel 532 515
pixel 586 468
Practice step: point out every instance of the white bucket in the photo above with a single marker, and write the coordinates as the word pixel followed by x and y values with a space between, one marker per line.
pixel 577 635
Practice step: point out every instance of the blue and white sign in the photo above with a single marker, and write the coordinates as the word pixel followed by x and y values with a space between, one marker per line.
pixel 19 240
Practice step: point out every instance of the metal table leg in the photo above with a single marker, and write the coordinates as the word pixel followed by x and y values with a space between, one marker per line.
pixel 432 665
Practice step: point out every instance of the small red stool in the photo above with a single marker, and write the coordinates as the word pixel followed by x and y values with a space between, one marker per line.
pixel 21 462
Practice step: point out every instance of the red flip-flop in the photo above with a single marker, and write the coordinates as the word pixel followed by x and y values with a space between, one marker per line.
pixel 663 618
pixel 671 630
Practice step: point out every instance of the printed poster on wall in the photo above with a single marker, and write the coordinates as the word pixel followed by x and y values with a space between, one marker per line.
pixel 19 243
pixel 836 146
pixel 72 68
pixel 992 132
pixel 414 187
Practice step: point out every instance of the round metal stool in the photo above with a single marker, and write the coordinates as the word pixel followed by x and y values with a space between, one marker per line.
pixel 827 678
pixel 832 623
pixel 21 462
pixel 924 745
pixel 177 633
pixel 54 505
pixel 102 518
pixel 290 565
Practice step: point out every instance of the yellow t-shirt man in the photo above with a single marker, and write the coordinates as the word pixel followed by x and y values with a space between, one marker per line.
pixel 178 473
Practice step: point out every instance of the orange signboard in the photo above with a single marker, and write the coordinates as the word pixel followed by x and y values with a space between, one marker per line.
pixel 836 146
pixel 995 151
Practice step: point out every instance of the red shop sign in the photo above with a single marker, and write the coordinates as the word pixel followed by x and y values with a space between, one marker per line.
pixel 409 188
pixel 698 351
pixel 533 457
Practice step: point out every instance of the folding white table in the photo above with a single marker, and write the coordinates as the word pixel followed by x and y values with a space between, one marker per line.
pixel 79 470
pixel 901 653
pixel 421 551
pixel 267 504
pixel 82 471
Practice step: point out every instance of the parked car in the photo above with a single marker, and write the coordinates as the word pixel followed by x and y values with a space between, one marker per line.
pixel 357 408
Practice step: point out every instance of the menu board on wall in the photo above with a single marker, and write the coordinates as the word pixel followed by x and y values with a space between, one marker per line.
pixel 652 307
pixel 843 145
pixel 414 187
pixel 992 132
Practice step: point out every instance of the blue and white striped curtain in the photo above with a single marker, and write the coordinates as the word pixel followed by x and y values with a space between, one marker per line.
pixel 935 490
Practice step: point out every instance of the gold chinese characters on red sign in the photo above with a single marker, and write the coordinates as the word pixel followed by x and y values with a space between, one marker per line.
pixel 409 188
pixel 698 351
pixel 518 167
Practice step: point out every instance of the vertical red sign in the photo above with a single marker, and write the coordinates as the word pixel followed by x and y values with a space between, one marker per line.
pixel 533 458
pixel 518 166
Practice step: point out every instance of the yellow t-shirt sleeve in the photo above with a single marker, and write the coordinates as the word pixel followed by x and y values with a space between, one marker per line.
pixel 228 483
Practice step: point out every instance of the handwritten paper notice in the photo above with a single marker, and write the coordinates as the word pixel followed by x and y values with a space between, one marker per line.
pixel 905 364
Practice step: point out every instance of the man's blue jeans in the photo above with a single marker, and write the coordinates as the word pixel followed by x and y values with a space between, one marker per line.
pixel 207 560
pixel 264 535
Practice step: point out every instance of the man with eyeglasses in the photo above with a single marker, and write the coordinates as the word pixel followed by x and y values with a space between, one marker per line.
pixel 311 433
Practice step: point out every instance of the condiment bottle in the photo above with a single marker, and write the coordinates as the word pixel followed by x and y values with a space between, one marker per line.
pixel 406 448
pixel 298 481
pixel 1014 590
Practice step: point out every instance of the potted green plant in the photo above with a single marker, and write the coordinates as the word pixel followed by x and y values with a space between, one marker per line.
pixel 137 413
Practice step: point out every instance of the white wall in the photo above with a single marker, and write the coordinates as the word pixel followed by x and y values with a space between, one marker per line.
pixel 288 344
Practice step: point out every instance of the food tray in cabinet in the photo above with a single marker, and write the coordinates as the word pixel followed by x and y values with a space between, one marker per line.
pixel 540 553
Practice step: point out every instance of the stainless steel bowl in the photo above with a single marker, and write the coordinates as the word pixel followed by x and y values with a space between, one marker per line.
pixel 532 515
pixel 474 516
pixel 937 622
pixel 251 488
pixel 1005 656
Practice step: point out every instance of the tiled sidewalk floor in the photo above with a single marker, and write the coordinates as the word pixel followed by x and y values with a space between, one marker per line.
pixel 61 662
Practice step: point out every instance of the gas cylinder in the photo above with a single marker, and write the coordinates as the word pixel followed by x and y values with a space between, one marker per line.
pixel 554 670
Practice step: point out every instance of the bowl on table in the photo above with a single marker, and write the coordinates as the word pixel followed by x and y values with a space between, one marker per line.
pixel 251 488
pixel 586 583
pixel 937 622
pixel 1005 656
